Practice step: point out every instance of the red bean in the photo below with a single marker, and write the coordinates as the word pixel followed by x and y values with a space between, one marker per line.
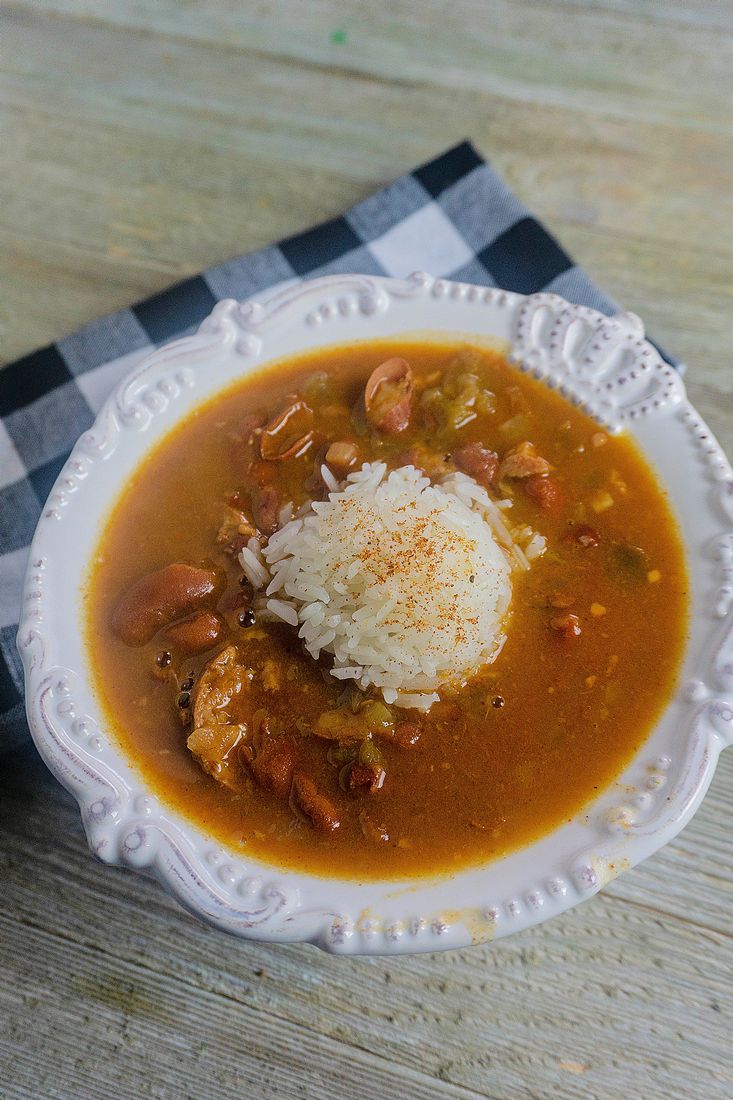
pixel 388 396
pixel 195 635
pixel 477 461
pixel 266 509
pixel 544 491
pixel 161 597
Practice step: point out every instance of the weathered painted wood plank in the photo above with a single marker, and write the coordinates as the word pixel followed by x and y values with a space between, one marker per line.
pixel 151 170
pixel 501 47
pixel 124 962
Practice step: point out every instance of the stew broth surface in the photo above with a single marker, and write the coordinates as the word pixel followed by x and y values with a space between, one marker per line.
pixel 525 744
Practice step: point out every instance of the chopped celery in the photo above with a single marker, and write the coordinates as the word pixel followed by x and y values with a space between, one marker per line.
pixel 317 387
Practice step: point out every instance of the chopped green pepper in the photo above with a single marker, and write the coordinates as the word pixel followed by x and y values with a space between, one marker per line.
pixel 631 561
pixel 370 754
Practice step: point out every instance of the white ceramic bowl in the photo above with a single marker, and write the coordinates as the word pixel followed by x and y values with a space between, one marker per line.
pixel 603 364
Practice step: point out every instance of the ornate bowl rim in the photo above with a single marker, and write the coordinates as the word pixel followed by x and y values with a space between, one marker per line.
pixel 602 364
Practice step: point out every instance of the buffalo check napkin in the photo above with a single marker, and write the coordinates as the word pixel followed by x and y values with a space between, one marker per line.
pixel 451 217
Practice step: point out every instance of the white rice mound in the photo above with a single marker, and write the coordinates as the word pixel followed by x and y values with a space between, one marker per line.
pixel 405 583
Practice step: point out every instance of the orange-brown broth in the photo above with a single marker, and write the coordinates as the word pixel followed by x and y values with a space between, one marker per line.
pixel 482 781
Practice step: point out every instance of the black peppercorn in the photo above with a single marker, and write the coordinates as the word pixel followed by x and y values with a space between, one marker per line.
pixel 163 659
pixel 497 701
pixel 187 684
pixel 184 699
pixel 247 618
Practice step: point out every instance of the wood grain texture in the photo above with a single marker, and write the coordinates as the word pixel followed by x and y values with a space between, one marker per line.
pixel 145 139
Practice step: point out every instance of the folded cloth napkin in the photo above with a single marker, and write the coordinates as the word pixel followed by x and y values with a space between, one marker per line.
pixel 452 217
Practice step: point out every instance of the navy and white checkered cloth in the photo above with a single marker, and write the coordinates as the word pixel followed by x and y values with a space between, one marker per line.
pixel 452 217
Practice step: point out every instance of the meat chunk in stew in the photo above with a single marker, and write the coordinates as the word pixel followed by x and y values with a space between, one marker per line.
pixel 217 735
pixel 236 528
pixel 222 683
pixel 273 766
pixel 524 460
pixel 309 802
pixel 216 749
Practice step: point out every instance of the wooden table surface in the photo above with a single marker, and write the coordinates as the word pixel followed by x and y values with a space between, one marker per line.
pixel 145 139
